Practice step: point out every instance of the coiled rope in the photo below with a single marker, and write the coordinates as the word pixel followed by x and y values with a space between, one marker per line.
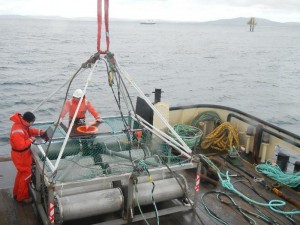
pixel 190 135
pixel 274 172
pixel 206 116
pixel 225 181
pixel 224 137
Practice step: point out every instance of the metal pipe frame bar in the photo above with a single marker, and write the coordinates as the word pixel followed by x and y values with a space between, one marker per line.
pixel 39 166
pixel 147 215
pixel 163 136
pixel 197 183
pixel 162 212
pixel 47 159
pixel 130 207
pixel 39 207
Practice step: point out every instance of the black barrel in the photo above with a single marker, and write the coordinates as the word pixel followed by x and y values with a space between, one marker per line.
pixel 297 167
pixel 282 161
pixel 157 95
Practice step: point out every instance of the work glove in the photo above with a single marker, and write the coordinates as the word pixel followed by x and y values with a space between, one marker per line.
pixel 41 132
pixel 32 139
pixel 45 135
pixel 100 120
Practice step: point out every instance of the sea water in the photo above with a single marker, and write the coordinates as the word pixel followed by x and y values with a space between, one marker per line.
pixel 256 72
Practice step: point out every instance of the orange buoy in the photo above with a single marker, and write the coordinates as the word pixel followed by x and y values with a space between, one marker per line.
pixel 87 130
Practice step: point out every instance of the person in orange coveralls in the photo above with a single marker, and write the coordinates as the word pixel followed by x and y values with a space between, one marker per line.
pixel 71 105
pixel 21 137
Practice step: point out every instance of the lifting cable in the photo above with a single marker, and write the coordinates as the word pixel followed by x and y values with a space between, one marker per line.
pixel 110 64
pixel 127 127
pixel 110 61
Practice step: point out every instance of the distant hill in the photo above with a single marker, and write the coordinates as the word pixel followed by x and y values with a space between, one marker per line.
pixel 240 21
pixel 243 21
pixel 32 17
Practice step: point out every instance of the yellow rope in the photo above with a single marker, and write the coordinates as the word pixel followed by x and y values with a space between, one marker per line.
pixel 223 137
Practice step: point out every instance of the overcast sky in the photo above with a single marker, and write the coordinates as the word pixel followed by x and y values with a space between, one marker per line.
pixel 173 10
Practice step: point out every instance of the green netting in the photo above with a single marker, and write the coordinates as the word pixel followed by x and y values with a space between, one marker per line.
pixel 190 135
pixel 107 152
pixel 116 123
pixel 171 156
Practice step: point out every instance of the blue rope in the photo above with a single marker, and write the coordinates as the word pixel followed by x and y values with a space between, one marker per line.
pixel 274 172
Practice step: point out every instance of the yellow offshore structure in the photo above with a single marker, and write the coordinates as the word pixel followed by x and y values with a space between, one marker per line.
pixel 252 23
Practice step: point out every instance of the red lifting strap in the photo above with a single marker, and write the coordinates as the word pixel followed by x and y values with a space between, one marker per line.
pixel 106 6
pixel 99 20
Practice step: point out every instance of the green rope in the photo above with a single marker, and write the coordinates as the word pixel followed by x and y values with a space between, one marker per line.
pixel 138 203
pixel 210 212
pixel 191 135
pixel 143 164
pixel 227 184
pixel 206 116
pixel 274 172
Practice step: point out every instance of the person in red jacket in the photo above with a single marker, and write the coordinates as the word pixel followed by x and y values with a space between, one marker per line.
pixel 71 105
pixel 21 137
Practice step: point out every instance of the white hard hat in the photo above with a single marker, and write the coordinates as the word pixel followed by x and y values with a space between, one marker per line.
pixel 78 93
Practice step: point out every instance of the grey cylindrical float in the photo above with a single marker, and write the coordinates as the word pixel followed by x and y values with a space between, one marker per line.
pixel 62 192
pixel 165 190
pixel 90 204
pixel 72 148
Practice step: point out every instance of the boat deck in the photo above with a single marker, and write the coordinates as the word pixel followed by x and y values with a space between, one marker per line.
pixel 233 210
pixel 13 213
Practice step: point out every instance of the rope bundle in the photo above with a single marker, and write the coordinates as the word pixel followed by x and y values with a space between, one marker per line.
pixel 206 116
pixel 274 172
pixel 225 136
pixel 190 135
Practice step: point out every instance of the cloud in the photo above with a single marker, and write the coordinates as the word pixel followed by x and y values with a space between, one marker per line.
pixel 204 10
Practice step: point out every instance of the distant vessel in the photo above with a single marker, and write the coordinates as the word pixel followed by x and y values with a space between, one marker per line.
pixel 148 22
pixel 252 23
